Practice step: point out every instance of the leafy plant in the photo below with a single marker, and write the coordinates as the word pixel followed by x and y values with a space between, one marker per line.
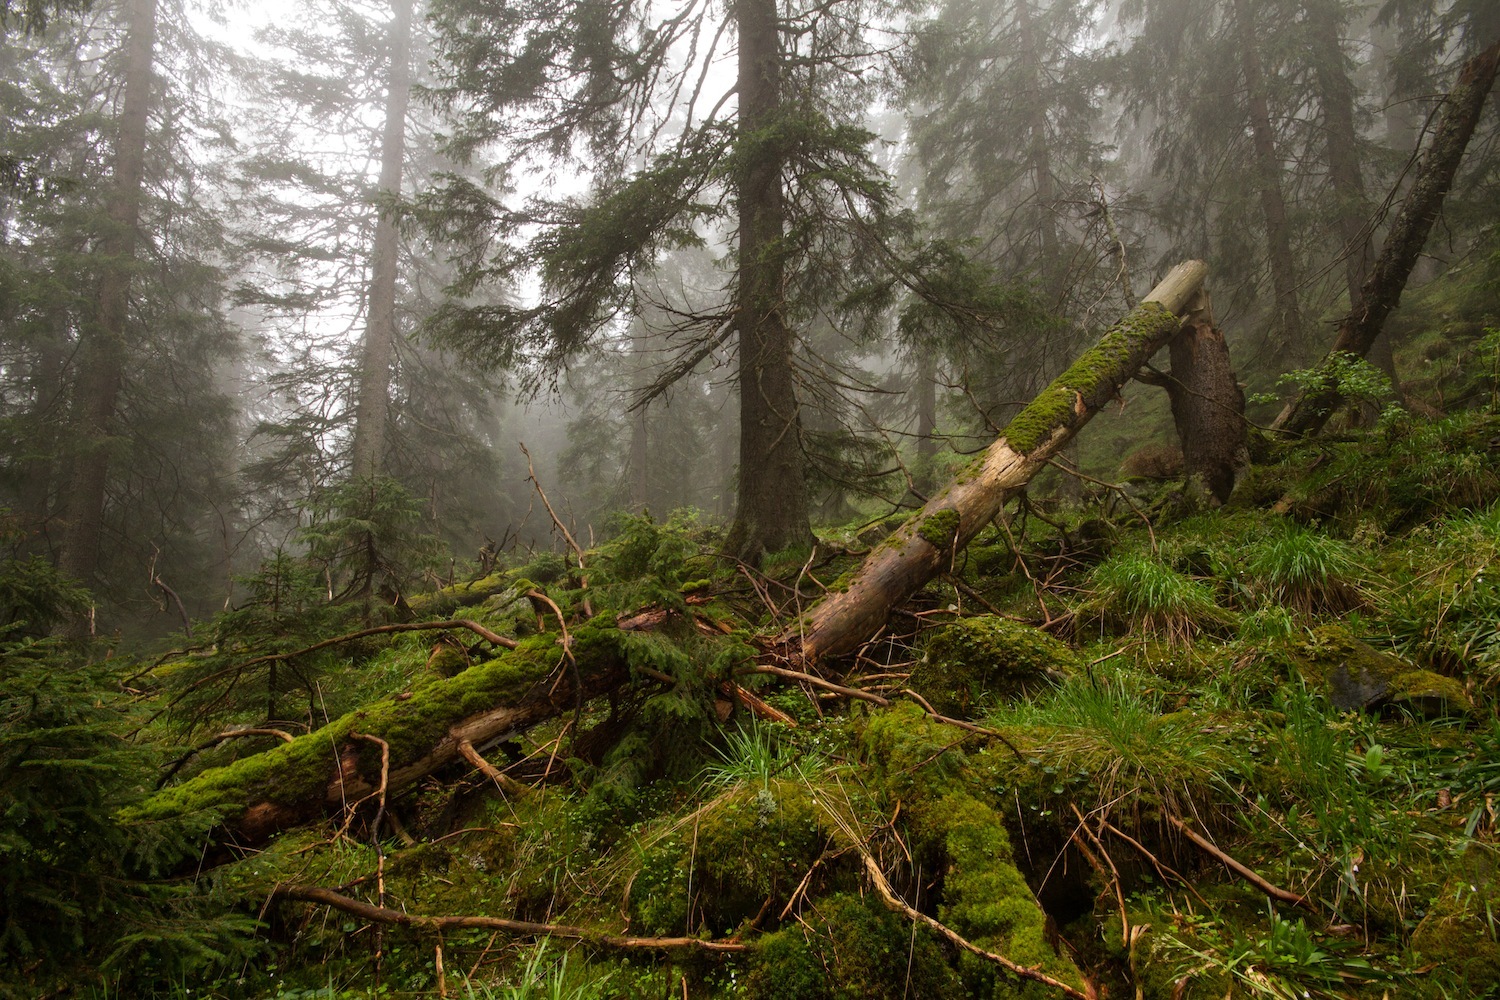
pixel 750 755
pixel 366 533
pixel 1111 736
pixel 543 978
pixel 1284 961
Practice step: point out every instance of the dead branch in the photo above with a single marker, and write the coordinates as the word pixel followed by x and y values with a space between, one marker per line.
pixel 493 638
pixel 583 582
pixel 506 784
pixel 522 928
pixel 1241 870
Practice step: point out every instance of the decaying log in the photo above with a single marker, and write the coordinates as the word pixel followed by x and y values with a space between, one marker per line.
pixel 1309 411
pixel 928 542
pixel 426 729
pixel 547 676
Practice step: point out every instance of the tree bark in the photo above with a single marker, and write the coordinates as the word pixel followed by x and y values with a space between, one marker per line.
pixel 1208 407
pixel 928 542
pixel 640 441
pixel 1310 410
pixel 103 351
pixel 1268 180
pixel 771 512
pixel 1341 143
pixel 372 409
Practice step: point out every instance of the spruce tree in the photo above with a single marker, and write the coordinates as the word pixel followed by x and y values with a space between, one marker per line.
pixel 671 155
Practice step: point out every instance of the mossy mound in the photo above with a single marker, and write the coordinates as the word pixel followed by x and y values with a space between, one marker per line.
pixel 849 947
pixel 975 659
pixel 750 843
pixel 987 899
pixel 1458 934
pixel 1356 675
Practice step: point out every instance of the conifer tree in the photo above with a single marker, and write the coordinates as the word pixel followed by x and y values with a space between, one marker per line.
pixel 625 97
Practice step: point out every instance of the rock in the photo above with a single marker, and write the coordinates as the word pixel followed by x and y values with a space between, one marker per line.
pixel 1355 675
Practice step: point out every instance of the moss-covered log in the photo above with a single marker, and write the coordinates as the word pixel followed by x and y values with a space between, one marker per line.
pixel 425 729
pixel 926 544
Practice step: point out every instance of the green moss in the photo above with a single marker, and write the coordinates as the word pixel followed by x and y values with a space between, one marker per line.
pixel 1091 377
pixel 1355 675
pixel 939 528
pixel 974 658
pixel 297 772
pixel 747 844
pixel 1430 694
pixel 911 757
pixel 1458 934
pixel 849 947
pixel 987 900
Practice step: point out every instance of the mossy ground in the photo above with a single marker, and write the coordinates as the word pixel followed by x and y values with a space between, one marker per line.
pixel 1095 731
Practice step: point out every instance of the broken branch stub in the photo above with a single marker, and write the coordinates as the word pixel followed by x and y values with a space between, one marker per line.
pixel 927 543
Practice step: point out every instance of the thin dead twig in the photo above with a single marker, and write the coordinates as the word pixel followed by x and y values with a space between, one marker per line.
pixel 583 582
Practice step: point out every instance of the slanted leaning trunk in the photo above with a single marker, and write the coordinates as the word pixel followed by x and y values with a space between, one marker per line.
pixel 928 542
pixel 1310 410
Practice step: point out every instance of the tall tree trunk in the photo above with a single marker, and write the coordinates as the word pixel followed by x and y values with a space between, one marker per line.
pixel 1336 95
pixel 640 456
pixel 1268 180
pixel 1040 161
pixel 772 495
pixel 1309 411
pixel 47 378
pixel 930 540
pixel 102 352
pixel 372 410
pixel 926 390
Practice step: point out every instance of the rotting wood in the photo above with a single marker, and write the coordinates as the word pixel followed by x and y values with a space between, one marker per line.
pixel 928 542
pixel 522 928
pixel 258 796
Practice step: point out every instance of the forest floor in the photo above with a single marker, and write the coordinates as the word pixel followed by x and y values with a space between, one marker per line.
pixel 1128 746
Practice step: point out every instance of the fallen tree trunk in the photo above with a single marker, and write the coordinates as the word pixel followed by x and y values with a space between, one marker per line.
pixel 425 729
pixel 928 542
pixel 1309 411
pixel 429 728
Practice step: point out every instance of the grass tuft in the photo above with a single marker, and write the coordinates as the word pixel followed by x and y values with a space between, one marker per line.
pixel 1146 595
